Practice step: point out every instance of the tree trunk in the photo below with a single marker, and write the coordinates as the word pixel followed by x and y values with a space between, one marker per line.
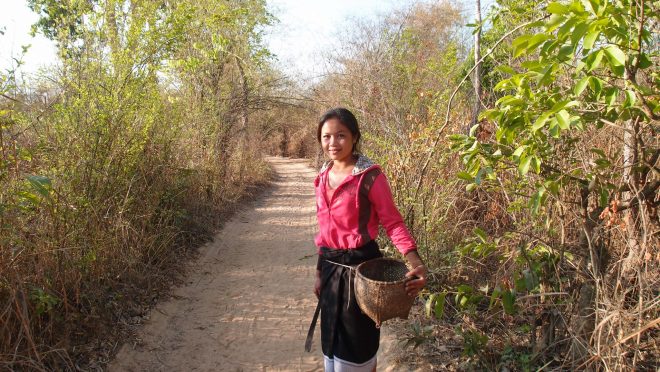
pixel 242 140
pixel 630 179
pixel 284 143
pixel 112 29
pixel 477 69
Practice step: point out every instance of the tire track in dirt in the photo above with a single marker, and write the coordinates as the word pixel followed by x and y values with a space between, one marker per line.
pixel 248 301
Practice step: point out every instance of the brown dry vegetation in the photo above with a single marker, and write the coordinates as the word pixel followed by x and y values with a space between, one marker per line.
pixel 124 159
pixel 565 280
pixel 545 258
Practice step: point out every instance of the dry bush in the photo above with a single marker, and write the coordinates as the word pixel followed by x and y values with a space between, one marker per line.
pixel 116 168
pixel 521 289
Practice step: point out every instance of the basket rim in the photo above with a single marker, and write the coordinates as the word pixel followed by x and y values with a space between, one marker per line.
pixel 381 282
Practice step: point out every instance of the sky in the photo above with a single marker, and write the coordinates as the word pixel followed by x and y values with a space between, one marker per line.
pixel 16 19
pixel 305 30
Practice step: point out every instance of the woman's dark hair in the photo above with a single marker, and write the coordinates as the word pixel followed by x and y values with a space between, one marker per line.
pixel 345 117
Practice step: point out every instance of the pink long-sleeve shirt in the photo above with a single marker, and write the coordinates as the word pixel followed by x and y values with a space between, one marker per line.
pixel 350 218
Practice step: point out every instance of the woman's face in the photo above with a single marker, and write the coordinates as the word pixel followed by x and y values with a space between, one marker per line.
pixel 337 140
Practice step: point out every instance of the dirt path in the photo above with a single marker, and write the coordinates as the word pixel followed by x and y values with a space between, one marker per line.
pixel 248 301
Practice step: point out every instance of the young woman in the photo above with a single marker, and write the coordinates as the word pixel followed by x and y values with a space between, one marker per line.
pixel 353 198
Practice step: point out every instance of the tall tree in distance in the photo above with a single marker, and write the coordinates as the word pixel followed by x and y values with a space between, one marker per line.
pixel 477 61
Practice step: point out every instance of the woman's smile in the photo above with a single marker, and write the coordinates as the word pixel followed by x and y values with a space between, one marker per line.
pixel 337 140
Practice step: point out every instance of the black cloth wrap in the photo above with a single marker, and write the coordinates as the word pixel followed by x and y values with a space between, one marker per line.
pixel 346 332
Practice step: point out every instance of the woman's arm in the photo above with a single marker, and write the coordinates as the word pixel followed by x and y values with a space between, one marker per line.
pixel 382 201
pixel 417 274
pixel 317 284
pixel 381 198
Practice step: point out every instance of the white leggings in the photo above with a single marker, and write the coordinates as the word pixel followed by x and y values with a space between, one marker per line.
pixel 337 365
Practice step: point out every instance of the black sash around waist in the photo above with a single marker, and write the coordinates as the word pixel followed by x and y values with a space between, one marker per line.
pixel 345 331
pixel 351 256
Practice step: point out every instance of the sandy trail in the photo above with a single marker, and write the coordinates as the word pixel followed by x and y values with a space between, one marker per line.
pixel 248 302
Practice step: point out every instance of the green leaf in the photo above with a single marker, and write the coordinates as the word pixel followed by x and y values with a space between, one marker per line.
pixel 553 128
pixel 598 151
pixel 579 31
pixel 519 283
pixel 40 184
pixel 576 7
pixel 554 21
pixel 604 197
pixel 610 96
pixel 631 98
pixel 537 200
pixel 593 60
pixel 581 85
pixel 577 123
pixel 429 304
pixel 520 40
pixel 523 168
pixel 615 56
pixel 505 69
pixel 595 6
pixel 531 280
pixel 481 234
pixel 565 53
pixel 540 122
pixel 439 308
pixel 477 178
pixel 563 119
pixel 519 151
pixel 509 302
pixel 24 154
pixel 463 301
pixel 602 163
pixel 563 104
pixel 510 101
pixel 566 28
pixel 536 164
pixel 503 85
pixel 590 39
pixel 596 86
pixel 546 76
pixel 464 176
pixel 557 8
pixel 552 186
pixel 618 19
pixel 456 137
pixel 492 114
pixel 644 62
pixel 519 44
pixel 497 293
pixel 535 41
pixel 548 48
pixel 29 197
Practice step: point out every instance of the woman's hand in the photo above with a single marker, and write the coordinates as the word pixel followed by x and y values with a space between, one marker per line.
pixel 417 275
pixel 317 284
pixel 417 280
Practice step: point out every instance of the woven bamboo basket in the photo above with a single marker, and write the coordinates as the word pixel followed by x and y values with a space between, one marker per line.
pixel 380 289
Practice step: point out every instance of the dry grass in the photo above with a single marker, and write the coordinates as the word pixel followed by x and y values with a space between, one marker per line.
pixel 62 312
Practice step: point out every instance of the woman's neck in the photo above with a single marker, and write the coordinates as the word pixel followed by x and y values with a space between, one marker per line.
pixel 344 165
